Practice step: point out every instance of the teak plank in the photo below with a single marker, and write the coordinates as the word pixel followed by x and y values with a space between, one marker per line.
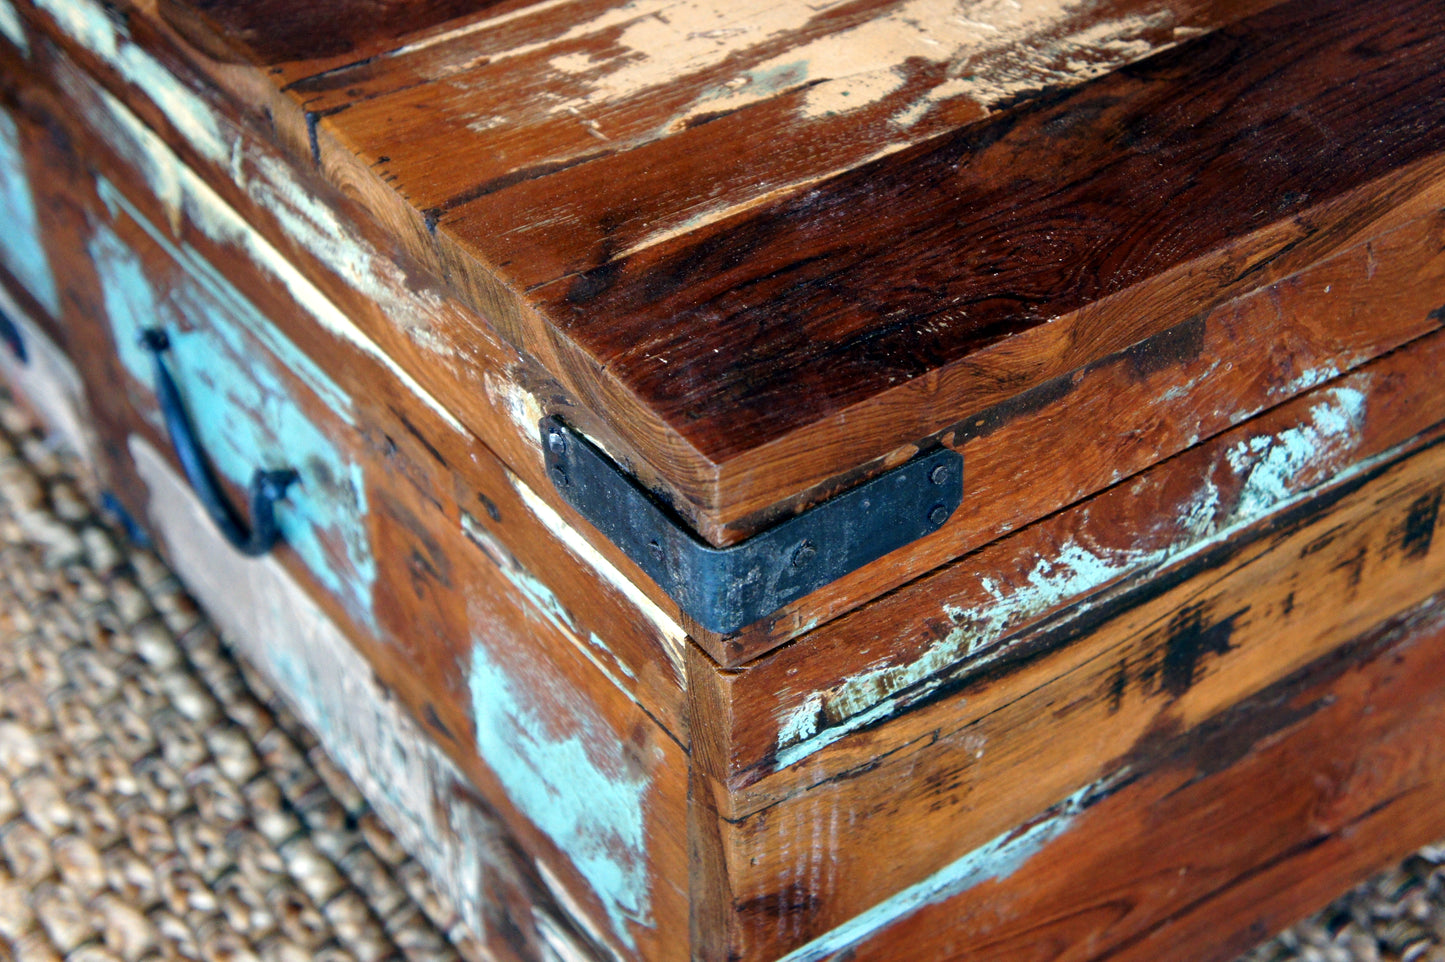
pixel 1028 457
pixel 980 757
pixel 858 672
pixel 491 665
pixel 1068 158
pixel 897 299
pixel 1215 838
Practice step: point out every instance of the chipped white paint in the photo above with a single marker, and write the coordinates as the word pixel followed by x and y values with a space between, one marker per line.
pixel 993 50
pixel 559 946
pixel 277 627
pixel 669 631
pixel 12 28
pixel 521 405
pixel 273 186
pixel 90 25
pixel 1275 470
pixel 1312 377
pixel 188 195
pixel 996 859
pixel 569 904
pixel 49 381
pixel 1272 465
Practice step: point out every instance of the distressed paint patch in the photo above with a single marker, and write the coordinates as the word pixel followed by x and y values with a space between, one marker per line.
pixel 89 25
pixel 242 410
pixel 1270 465
pixel 306 218
pixel 50 382
pixel 563 768
pixel 269 618
pixel 992 51
pixel 521 405
pixel 21 248
pixel 1275 470
pixel 549 608
pixel 672 635
pixel 12 28
pixel 996 859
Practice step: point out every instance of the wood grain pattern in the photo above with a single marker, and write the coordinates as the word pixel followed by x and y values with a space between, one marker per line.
pixel 860 671
pixel 491 662
pixel 456 474
pixel 709 432
pixel 1183 173
pixel 1256 351
pixel 979 758
pixel 1221 835
pixel 1026 457
pixel 715 491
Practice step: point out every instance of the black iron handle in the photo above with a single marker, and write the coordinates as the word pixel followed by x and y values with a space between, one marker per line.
pixel 266 488
pixel 10 335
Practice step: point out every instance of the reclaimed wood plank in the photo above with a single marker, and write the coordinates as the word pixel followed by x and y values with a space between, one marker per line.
pixel 1026 457
pixel 898 299
pixel 977 758
pixel 455 477
pixel 471 649
pixel 586 366
pixel 1216 837
pixel 863 669
pixel 1234 331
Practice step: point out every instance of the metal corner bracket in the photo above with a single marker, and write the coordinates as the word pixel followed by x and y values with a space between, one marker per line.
pixel 724 589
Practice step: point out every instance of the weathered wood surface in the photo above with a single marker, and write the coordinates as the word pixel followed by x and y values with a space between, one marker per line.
pixel 447 470
pixel 1066 709
pixel 862 670
pixel 572 733
pixel 641 350
pixel 1184 384
pixel 1214 838
pixel 1026 458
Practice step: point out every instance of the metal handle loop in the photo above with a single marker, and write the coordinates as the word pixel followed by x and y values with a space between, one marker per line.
pixel 266 488
pixel 10 336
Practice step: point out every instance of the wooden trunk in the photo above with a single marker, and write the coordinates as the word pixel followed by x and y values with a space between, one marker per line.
pixel 627 357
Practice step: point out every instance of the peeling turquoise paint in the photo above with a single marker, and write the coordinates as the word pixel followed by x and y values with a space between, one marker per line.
pixel 12 28
pixel 241 408
pixel 562 766
pixel 1272 464
pixel 1274 469
pixel 20 247
pixel 996 859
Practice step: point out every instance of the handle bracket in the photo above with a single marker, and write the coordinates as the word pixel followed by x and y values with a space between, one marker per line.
pixel 266 488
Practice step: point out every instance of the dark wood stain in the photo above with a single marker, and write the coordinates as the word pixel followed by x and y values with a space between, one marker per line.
pixel 1175 347
pixel 1192 634
pixel 427 561
pixel 434 720
pixel 1068 626
pixel 493 511
pixel 1418 531
pixel 1353 567
pixel 915 262
pixel 278 31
